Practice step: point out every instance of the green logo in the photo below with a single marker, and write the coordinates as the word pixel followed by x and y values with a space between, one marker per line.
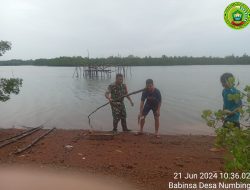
pixel 237 15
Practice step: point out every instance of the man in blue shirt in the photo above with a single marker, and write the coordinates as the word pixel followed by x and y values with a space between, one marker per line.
pixel 153 102
pixel 231 100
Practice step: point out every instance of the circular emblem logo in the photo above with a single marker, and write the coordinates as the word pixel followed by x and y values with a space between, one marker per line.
pixel 237 15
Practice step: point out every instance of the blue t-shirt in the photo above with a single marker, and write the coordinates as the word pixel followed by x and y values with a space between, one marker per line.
pixel 231 105
pixel 153 98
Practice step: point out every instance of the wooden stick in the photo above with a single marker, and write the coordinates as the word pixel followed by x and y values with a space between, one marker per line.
pixel 20 137
pixel 20 150
pixel 26 131
pixel 135 92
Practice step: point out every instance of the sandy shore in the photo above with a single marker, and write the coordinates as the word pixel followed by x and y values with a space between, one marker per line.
pixel 144 161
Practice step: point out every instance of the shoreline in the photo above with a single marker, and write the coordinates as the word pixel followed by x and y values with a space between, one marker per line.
pixel 2 65
pixel 144 161
pixel 147 131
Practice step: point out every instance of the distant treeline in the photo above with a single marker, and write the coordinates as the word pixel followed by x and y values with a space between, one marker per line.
pixel 132 61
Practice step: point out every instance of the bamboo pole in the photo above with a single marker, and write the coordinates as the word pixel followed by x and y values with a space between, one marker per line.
pixel 20 150
pixel 26 131
pixel 20 137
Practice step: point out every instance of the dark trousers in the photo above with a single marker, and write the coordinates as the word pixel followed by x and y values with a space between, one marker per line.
pixel 119 113
pixel 123 123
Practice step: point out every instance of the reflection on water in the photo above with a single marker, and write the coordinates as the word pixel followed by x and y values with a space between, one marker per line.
pixel 51 95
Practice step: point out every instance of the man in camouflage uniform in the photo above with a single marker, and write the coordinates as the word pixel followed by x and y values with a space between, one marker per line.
pixel 113 93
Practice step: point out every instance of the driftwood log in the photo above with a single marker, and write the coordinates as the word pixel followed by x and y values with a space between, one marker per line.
pixel 20 150
pixel 17 135
pixel 12 140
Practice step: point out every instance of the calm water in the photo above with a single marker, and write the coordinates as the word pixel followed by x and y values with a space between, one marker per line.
pixel 51 95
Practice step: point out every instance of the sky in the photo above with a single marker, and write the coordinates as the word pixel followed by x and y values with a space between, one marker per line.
pixel 54 28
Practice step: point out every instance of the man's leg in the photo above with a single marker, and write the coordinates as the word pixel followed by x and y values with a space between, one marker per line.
pixel 116 117
pixel 157 125
pixel 142 122
pixel 124 124
pixel 123 117
pixel 157 122
pixel 145 112
pixel 115 123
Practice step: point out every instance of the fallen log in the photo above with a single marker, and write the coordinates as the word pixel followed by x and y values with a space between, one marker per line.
pixel 20 150
pixel 20 137
pixel 26 131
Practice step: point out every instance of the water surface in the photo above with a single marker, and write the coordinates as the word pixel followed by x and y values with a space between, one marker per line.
pixel 52 96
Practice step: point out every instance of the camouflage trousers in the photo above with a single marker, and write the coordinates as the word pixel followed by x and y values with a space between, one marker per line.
pixel 119 113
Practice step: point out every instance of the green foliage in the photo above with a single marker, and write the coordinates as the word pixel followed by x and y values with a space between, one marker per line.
pixel 236 141
pixel 234 97
pixel 9 86
pixel 132 60
pixel 247 89
pixel 212 118
pixel 231 81
pixel 4 46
